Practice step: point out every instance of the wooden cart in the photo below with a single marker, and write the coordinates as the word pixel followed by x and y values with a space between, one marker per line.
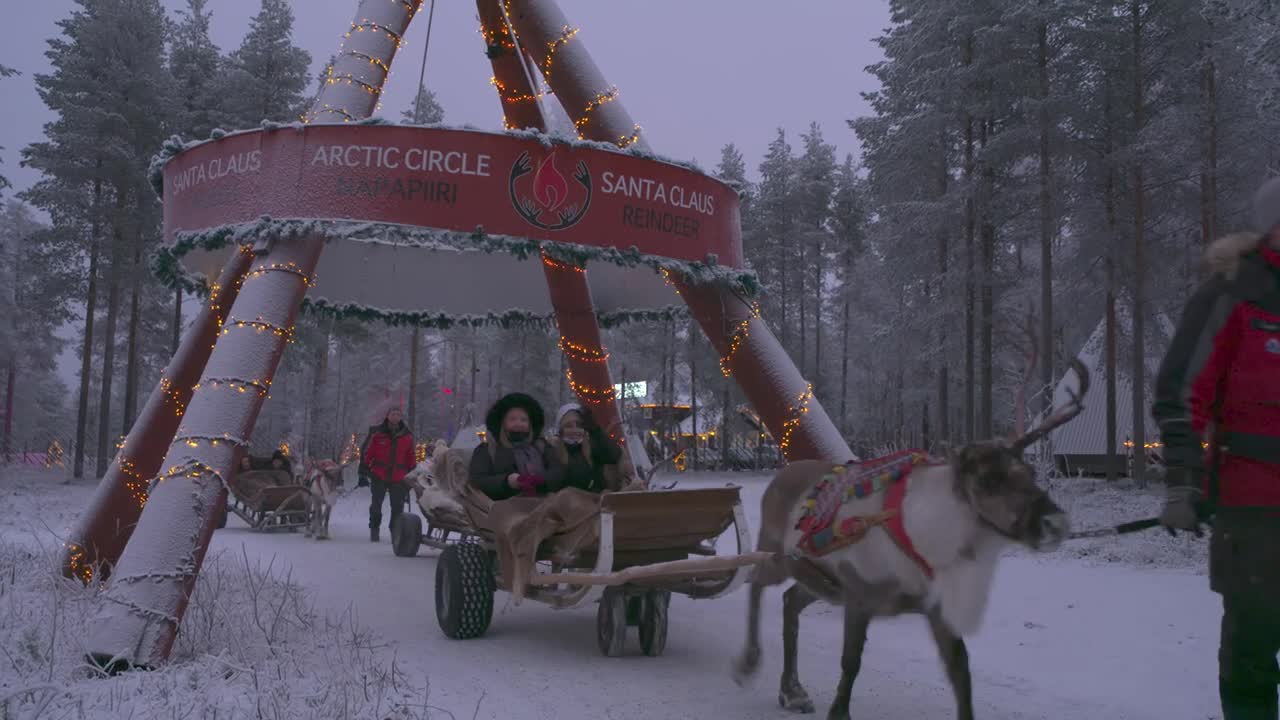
pixel 651 544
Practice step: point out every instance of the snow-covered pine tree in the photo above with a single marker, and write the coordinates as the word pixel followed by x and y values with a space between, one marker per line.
pixel 37 284
pixel 424 110
pixel 815 186
pixel 267 75
pixel 111 93
pixel 773 229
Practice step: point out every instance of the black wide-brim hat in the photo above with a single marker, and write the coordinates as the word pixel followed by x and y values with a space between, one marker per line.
pixel 493 419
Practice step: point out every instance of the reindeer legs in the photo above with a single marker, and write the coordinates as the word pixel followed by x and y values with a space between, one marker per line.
pixel 856 621
pixel 955 657
pixel 792 695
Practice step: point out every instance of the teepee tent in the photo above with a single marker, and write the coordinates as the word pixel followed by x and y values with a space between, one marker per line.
pixel 1080 446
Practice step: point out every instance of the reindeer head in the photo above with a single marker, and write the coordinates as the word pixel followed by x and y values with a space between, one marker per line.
pixel 996 481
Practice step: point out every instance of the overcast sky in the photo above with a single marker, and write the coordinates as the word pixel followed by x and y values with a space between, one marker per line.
pixel 695 73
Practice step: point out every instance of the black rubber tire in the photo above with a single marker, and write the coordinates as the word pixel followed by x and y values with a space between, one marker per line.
pixel 611 622
pixel 222 517
pixel 407 535
pixel 653 622
pixel 464 591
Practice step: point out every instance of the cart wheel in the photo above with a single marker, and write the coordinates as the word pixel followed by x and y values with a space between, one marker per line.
pixel 464 591
pixel 611 622
pixel 653 622
pixel 222 517
pixel 407 535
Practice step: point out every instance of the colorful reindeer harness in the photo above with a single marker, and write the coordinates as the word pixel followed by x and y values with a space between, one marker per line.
pixel 823 535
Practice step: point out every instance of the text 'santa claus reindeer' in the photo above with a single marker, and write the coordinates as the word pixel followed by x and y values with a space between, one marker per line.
pixel 901 534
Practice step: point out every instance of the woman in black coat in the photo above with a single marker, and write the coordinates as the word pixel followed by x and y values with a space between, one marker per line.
pixel 514 459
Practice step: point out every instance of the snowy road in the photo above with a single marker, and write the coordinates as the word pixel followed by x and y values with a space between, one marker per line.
pixel 1063 641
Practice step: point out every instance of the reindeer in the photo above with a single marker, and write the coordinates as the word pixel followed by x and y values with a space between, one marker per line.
pixel 324 479
pixel 926 544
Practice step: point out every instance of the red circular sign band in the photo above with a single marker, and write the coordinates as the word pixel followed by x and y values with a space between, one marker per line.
pixel 454 180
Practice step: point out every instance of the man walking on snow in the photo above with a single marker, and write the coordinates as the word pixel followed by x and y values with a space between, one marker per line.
pixel 1219 388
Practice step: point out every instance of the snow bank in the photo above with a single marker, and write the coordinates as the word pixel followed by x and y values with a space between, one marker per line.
pixel 251 646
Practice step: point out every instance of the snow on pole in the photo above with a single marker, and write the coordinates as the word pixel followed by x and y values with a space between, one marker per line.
pixel 153 581
pixel 101 532
pixel 749 351
pixel 587 367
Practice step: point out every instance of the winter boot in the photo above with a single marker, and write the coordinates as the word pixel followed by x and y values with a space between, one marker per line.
pixel 373 534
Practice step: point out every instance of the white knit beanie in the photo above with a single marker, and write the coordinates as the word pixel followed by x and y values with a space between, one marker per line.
pixel 565 410
pixel 1266 206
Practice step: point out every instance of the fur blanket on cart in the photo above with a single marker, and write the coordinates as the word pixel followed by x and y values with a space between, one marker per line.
pixel 565 521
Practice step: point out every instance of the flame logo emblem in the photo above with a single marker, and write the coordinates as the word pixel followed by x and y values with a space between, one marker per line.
pixel 546 200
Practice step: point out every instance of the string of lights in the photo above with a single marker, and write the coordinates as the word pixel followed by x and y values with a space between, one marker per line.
pixel 213 440
pixel 795 414
pixel 589 394
pixel 581 353
pixel 601 99
pixel 262 387
pixel 739 336
pixel 260 325
pixel 559 265
pixel 516 96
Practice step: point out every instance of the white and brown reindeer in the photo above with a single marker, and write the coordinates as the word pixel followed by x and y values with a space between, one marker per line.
pixel 924 542
pixel 324 480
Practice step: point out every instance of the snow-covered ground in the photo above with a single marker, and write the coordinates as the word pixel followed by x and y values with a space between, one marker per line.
pixel 1115 629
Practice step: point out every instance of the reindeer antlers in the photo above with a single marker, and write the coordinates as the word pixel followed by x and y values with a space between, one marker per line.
pixel 1060 416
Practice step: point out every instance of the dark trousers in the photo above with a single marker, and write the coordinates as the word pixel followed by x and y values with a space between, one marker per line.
pixel 1247 668
pixel 399 492
pixel 1244 567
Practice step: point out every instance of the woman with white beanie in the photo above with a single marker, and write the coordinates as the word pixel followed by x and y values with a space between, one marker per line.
pixel 582 450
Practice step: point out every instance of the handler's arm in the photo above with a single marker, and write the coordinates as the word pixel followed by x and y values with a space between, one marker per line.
pixel 1189 383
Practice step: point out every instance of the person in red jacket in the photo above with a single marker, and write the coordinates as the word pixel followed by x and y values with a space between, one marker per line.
pixel 386 456
pixel 1218 406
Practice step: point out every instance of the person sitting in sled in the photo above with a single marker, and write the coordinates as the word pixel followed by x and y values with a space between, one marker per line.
pixel 582 451
pixel 513 460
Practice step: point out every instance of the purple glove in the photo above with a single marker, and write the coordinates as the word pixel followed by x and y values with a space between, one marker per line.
pixel 529 484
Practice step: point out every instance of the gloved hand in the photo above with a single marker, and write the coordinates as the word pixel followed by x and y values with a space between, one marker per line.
pixel 529 484
pixel 363 480
pixel 1183 502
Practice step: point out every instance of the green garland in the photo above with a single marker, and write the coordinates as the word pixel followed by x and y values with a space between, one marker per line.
pixel 166 265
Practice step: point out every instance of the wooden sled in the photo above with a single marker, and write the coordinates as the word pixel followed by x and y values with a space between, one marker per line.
pixel 268 500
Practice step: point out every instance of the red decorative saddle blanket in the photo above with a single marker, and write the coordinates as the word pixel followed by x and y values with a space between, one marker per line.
pixel 855 481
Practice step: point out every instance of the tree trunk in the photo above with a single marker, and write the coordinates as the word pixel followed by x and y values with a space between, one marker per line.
pixel 414 341
pixel 177 321
pixel 1139 372
pixel 725 429
pixel 131 363
pixel 944 379
pixel 1109 199
pixel 818 285
pixel 970 252
pixel 986 416
pixel 804 310
pixel 108 357
pixel 844 344
pixel 86 349
pixel 1209 173
pixel 10 381
pixel 1047 369
pixel 693 390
